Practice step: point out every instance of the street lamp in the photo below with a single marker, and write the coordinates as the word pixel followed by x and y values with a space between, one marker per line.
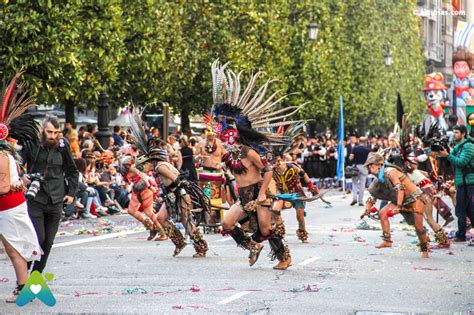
pixel 388 58
pixel 103 119
pixel 313 31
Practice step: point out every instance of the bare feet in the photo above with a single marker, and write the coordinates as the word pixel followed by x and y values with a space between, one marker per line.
pixel 384 244
pixel 425 255
pixel 159 237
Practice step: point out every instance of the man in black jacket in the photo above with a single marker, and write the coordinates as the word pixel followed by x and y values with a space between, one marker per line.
pixel 53 160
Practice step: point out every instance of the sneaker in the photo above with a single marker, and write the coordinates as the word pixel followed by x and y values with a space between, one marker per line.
pixel 12 298
pixel 102 211
pixel 89 216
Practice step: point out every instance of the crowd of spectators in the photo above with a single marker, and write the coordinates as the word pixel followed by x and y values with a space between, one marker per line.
pixel 102 189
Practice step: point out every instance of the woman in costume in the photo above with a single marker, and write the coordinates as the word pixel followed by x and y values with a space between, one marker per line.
pixel 17 233
pixel 180 197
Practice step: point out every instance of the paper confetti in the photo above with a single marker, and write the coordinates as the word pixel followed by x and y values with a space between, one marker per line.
pixel 191 307
pixel 426 269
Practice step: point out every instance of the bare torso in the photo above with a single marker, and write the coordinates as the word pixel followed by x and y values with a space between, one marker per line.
pixel 166 172
pixel 211 153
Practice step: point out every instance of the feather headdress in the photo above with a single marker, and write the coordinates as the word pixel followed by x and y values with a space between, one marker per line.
pixel 291 139
pixel 150 149
pixel 251 109
pixel 13 104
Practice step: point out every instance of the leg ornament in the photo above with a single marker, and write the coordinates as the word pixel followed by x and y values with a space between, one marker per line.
pixel 386 237
pixel 148 224
pixel 176 237
pixel 279 251
pixel 200 245
pixel 280 229
pixel 302 235
pixel 424 247
pixel 441 238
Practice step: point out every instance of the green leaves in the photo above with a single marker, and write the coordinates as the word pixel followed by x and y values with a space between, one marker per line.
pixel 149 51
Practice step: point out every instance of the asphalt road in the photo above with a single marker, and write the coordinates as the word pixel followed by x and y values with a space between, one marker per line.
pixel 118 271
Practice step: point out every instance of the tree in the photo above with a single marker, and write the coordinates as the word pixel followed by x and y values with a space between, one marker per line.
pixel 70 50
pixel 153 51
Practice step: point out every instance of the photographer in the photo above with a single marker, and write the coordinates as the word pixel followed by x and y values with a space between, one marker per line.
pixel 52 160
pixel 462 158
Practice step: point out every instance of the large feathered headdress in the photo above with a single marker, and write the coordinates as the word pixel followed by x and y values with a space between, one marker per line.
pixel 13 104
pixel 150 149
pixel 293 134
pixel 251 109
pixel 406 156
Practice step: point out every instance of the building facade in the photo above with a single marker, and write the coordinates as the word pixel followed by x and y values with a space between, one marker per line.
pixel 438 29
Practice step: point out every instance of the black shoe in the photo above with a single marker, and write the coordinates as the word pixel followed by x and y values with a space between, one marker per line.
pixel 459 240
pixel 361 204
pixel 353 202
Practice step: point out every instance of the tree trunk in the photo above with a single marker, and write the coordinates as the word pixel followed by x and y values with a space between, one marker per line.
pixel 69 111
pixel 185 124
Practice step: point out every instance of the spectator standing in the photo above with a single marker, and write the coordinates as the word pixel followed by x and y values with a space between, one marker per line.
pixel 188 159
pixel 53 160
pixel 358 157
pixel 462 158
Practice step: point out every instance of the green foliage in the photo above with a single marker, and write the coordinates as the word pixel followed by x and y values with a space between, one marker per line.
pixel 151 51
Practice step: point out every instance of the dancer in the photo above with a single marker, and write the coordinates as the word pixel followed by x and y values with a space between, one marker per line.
pixel 180 197
pixel 393 185
pixel 141 203
pixel 235 117
pixel 421 180
pixel 289 177
pixel 17 232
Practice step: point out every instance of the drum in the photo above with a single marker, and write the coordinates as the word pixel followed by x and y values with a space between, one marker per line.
pixel 211 184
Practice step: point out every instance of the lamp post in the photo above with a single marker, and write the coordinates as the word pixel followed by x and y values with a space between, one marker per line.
pixel 313 31
pixel 103 119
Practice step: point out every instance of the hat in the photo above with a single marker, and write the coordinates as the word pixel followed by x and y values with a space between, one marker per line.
pixel 434 81
pixel 374 158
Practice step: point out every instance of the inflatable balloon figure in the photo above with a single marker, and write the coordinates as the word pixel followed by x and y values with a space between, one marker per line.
pixel 435 95
pixel 462 64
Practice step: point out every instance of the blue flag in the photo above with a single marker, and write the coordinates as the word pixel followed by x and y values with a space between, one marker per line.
pixel 340 143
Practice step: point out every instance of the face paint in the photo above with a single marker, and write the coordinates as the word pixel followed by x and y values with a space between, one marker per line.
pixel 230 136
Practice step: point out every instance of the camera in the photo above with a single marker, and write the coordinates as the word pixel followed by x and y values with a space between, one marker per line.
pixel 36 179
pixel 439 144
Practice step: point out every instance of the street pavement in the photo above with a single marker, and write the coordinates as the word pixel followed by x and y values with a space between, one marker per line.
pixel 116 270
